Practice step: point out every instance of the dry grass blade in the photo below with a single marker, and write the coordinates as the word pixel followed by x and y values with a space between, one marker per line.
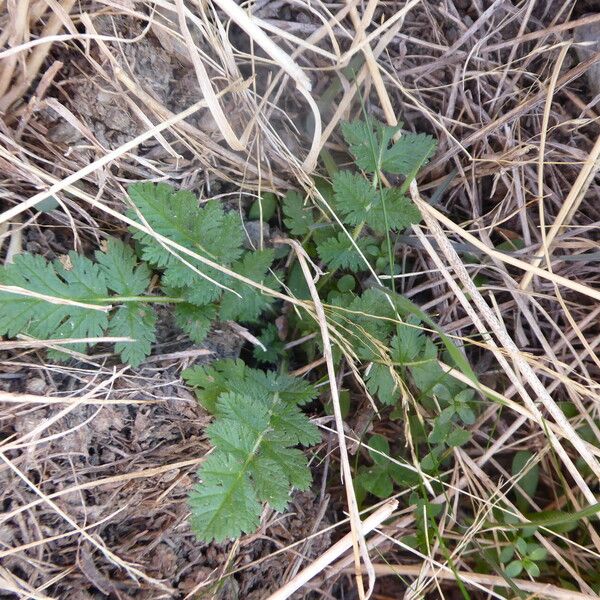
pixel 357 535
pixel 371 522
pixel 98 459
pixel 525 369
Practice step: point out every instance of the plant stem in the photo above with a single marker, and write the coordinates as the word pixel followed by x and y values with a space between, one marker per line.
pixel 357 231
pixel 146 299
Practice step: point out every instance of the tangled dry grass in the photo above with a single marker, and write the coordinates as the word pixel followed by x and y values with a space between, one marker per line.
pixel 97 459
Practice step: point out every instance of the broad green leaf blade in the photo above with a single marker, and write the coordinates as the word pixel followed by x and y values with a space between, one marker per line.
pixel 210 381
pixel 354 197
pixel 137 321
pixel 206 230
pixel 338 252
pixel 381 383
pixel 371 143
pixel 224 505
pixel 80 282
pixel 399 210
pixel 408 343
pixel 297 217
pixel 381 445
pixel 409 154
pixel 376 481
pixel 254 458
pixel 528 481
pixel 251 302
pixel 271 483
pixel 195 320
pixel 123 274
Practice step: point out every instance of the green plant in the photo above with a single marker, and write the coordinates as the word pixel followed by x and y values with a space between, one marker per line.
pixel 257 420
pixel 379 478
pixel 256 428
pixel 75 297
pixel 528 555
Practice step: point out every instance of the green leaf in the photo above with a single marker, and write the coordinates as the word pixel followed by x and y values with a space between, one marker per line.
pixel 206 230
pixel 458 437
pixel 441 431
pixel 210 381
pixel 338 252
pixel 194 320
pixel 399 211
pixel 408 343
pixel 221 483
pixel 506 554
pixel 123 274
pixel 527 481
pixel 271 341
pixel 376 481
pixel 251 302
pixel 538 553
pixel 354 197
pixel 346 283
pixel 297 218
pixel 513 569
pixel 137 321
pixel 371 143
pixel 82 282
pixel 358 201
pixel 254 460
pixel 381 383
pixel 269 206
pixel 126 277
pixel 531 568
pixel 380 444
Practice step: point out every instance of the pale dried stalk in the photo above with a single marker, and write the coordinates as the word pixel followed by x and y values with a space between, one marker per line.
pixel 567 210
pixel 143 474
pixel 205 85
pixel 13 289
pixel 370 523
pixel 33 343
pixel 501 333
pixel 544 590
pixel 507 258
pixel 250 25
pixel 63 184
pixel 110 556
pixel 36 59
pixel 358 540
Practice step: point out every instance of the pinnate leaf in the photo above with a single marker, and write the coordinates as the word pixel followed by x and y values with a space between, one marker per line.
pixel 298 218
pixel 41 307
pixel 206 230
pixel 257 426
pixel 371 143
pixel 338 252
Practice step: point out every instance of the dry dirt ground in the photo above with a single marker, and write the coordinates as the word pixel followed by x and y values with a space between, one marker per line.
pixel 97 459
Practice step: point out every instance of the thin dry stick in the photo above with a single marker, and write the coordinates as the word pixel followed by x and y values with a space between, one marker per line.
pixel 511 347
pixel 250 25
pixel 35 60
pixel 110 556
pixel 570 205
pixel 114 479
pixel 205 84
pixel 370 523
pixel 545 590
pixel 19 291
pixel 507 258
pixel 33 343
pixel 63 184
pixel 358 540
pixel 541 156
